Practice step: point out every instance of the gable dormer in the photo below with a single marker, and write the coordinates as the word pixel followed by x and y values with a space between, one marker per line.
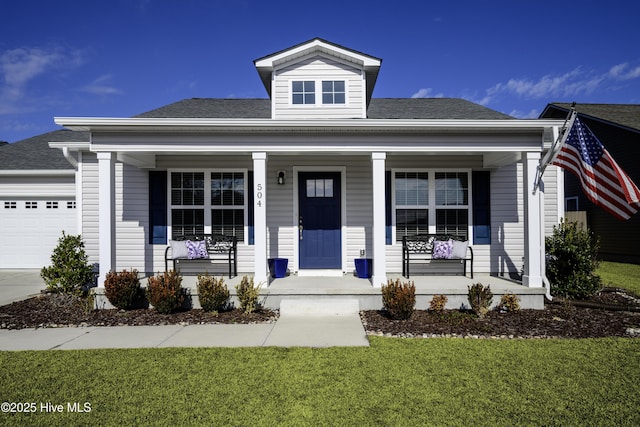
pixel 320 80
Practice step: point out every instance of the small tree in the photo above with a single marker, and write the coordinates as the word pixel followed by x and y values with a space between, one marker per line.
pixel 123 289
pixel 572 261
pixel 480 298
pixel 212 293
pixel 165 292
pixel 69 270
pixel 399 299
pixel 248 294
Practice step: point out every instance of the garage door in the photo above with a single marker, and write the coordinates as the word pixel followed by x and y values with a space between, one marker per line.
pixel 30 229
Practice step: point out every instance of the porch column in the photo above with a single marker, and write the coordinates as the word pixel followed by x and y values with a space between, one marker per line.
pixel 533 241
pixel 379 274
pixel 106 214
pixel 260 217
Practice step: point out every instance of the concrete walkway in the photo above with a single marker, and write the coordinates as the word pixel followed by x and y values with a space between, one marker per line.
pixel 301 324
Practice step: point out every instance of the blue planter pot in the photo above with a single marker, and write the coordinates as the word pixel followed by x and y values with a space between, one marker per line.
pixel 363 267
pixel 278 267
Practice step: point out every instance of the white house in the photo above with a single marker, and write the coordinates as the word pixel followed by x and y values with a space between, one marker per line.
pixel 322 156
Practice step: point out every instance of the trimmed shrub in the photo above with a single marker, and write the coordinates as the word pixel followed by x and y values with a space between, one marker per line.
pixel 212 293
pixel 438 303
pixel 399 299
pixel 248 295
pixel 572 261
pixel 480 298
pixel 123 289
pixel 509 302
pixel 69 271
pixel 165 292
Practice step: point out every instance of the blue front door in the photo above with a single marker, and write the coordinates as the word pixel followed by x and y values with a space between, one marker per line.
pixel 319 220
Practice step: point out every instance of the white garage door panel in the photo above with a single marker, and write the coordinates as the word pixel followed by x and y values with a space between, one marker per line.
pixel 28 236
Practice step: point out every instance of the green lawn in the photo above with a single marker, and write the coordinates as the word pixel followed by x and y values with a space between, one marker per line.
pixel 620 275
pixel 394 382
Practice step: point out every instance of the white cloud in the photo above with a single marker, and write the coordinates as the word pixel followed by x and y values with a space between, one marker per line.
pixel 100 86
pixel 19 68
pixel 426 93
pixel 533 114
pixel 622 72
pixel 570 84
pixel 21 65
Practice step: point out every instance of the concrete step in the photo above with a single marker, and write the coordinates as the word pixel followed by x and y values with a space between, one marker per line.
pixel 296 307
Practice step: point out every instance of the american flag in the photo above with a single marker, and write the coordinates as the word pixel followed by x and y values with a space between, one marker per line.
pixel 603 181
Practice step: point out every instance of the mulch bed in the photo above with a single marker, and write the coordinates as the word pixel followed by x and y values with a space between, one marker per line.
pixel 47 311
pixel 618 316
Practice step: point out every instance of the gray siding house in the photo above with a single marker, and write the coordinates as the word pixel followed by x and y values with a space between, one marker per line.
pixel 617 126
pixel 319 173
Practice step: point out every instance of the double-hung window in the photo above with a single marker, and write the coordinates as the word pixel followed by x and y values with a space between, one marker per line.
pixel 430 202
pixel 209 202
pixel 187 203
pixel 228 203
pixel 412 203
pixel 452 203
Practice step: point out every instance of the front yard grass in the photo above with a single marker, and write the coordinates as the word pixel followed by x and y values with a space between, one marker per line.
pixel 620 275
pixel 394 382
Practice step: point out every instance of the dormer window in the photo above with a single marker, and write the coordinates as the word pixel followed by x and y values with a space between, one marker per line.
pixel 303 92
pixel 333 92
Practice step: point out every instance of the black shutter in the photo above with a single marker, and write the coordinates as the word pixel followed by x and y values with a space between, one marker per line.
pixel 158 207
pixel 481 208
pixel 250 219
pixel 387 208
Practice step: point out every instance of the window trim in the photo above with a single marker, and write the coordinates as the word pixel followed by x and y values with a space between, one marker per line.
pixel 318 92
pixel 207 206
pixel 431 207
pixel 333 92
pixel 569 199
pixel 304 93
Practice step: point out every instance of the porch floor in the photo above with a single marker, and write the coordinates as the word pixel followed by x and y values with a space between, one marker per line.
pixel 349 286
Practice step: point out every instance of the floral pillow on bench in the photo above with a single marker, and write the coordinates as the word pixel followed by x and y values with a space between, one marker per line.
pixel 442 249
pixel 197 249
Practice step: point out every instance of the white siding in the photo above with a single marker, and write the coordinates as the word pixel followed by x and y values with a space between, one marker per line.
pixel 282 226
pixel 245 251
pixel 507 223
pixel 502 256
pixel 319 68
pixel 553 209
pixel 89 182
pixel 394 251
pixel 37 186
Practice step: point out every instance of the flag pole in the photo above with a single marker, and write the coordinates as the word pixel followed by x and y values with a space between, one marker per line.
pixel 553 151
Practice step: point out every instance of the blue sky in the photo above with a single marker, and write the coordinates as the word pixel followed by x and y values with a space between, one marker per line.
pixel 118 58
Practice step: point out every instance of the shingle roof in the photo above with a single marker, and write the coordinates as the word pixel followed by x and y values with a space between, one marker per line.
pixel 380 108
pixel 627 115
pixel 237 108
pixel 431 108
pixel 35 154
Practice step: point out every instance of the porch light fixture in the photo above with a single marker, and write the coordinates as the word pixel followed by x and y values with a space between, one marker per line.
pixel 281 177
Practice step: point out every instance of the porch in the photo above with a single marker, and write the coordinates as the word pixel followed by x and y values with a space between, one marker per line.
pixel 369 297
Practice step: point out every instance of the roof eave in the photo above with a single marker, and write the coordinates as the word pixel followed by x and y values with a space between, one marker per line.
pixel 113 124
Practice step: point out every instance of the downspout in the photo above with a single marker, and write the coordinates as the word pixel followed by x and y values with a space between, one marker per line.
pixel 67 155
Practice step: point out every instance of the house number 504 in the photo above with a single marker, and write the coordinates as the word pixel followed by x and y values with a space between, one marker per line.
pixel 259 195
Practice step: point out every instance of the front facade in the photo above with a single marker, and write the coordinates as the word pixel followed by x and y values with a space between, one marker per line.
pixel 320 173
